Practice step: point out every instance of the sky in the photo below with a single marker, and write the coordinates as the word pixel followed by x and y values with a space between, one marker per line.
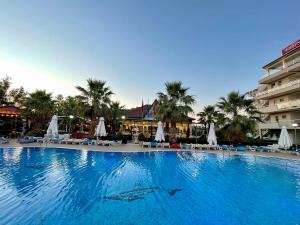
pixel 213 47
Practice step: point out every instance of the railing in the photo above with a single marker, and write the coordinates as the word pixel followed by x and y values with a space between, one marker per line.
pixel 279 124
pixel 280 68
pixel 280 106
pixel 289 104
pixel 289 84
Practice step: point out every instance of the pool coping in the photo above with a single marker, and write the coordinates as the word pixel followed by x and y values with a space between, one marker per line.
pixel 135 148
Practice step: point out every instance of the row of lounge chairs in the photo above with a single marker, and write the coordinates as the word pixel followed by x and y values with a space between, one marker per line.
pixel 85 141
pixel 66 140
pixel 4 140
pixel 155 144
pixel 269 148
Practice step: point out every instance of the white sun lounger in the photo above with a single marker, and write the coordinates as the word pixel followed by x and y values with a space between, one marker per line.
pixel 146 144
pixel 196 146
pixel 107 143
pixel 166 145
pixel 77 141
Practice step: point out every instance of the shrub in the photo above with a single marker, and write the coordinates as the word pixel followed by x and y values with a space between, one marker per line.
pixel 34 133
pixel 119 136
pixel 141 137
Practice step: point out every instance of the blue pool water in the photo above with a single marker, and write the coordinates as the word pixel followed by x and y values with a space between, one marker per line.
pixel 59 186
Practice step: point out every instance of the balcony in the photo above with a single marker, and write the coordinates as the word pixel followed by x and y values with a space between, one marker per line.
pixel 284 89
pixel 277 125
pixel 281 107
pixel 290 67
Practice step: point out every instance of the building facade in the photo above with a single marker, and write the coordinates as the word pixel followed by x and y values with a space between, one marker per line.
pixel 278 94
pixel 10 121
pixel 142 119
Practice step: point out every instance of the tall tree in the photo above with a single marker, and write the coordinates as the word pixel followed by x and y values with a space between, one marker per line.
pixel 174 106
pixel 242 116
pixel 4 87
pixel 211 115
pixel 39 107
pixel 115 113
pixel 16 96
pixel 97 95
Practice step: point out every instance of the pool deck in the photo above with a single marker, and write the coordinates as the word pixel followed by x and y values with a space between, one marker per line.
pixel 137 148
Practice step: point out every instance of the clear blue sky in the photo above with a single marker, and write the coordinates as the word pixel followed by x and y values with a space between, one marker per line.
pixel 214 47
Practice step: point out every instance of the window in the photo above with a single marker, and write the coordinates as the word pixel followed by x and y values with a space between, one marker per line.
pixel 281 100
pixel 273 85
pixel 283 116
pixel 276 118
pixel 279 83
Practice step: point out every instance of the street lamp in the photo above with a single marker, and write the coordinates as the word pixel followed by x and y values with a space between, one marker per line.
pixel 295 125
pixel 71 117
pixel 123 119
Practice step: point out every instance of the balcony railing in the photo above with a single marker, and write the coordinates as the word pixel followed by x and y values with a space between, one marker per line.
pixel 289 104
pixel 295 83
pixel 280 106
pixel 280 68
pixel 279 124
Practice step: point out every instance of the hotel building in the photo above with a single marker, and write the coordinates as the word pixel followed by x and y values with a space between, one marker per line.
pixel 278 94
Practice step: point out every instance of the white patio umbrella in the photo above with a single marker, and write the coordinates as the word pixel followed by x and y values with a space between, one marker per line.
pixel 159 136
pixel 284 139
pixel 52 130
pixel 100 129
pixel 211 138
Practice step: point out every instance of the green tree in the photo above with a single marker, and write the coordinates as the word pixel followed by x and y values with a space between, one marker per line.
pixel 39 107
pixel 71 105
pixel 16 96
pixel 97 96
pixel 4 87
pixel 10 96
pixel 174 106
pixel 114 115
pixel 242 116
pixel 211 115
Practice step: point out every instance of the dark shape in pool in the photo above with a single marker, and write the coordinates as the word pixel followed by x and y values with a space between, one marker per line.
pixel 35 166
pixel 173 191
pixel 138 193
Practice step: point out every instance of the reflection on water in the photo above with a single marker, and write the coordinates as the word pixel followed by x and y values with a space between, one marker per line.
pixel 57 186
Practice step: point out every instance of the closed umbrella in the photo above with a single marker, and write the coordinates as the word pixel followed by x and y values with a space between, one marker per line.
pixel 159 136
pixel 52 130
pixel 284 139
pixel 100 129
pixel 211 138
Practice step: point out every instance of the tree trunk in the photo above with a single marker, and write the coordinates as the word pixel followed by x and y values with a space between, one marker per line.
pixel 93 126
pixel 173 131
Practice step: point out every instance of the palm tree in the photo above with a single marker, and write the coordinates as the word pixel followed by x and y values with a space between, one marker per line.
pixel 211 115
pixel 97 95
pixel 114 117
pixel 39 107
pixel 242 116
pixel 174 106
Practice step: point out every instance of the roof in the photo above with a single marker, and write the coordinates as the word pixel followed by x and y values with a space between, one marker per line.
pixel 148 114
pixel 9 110
pixel 282 57
pixel 136 113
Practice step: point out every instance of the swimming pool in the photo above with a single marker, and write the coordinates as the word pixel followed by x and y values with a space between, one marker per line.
pixel 60 186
